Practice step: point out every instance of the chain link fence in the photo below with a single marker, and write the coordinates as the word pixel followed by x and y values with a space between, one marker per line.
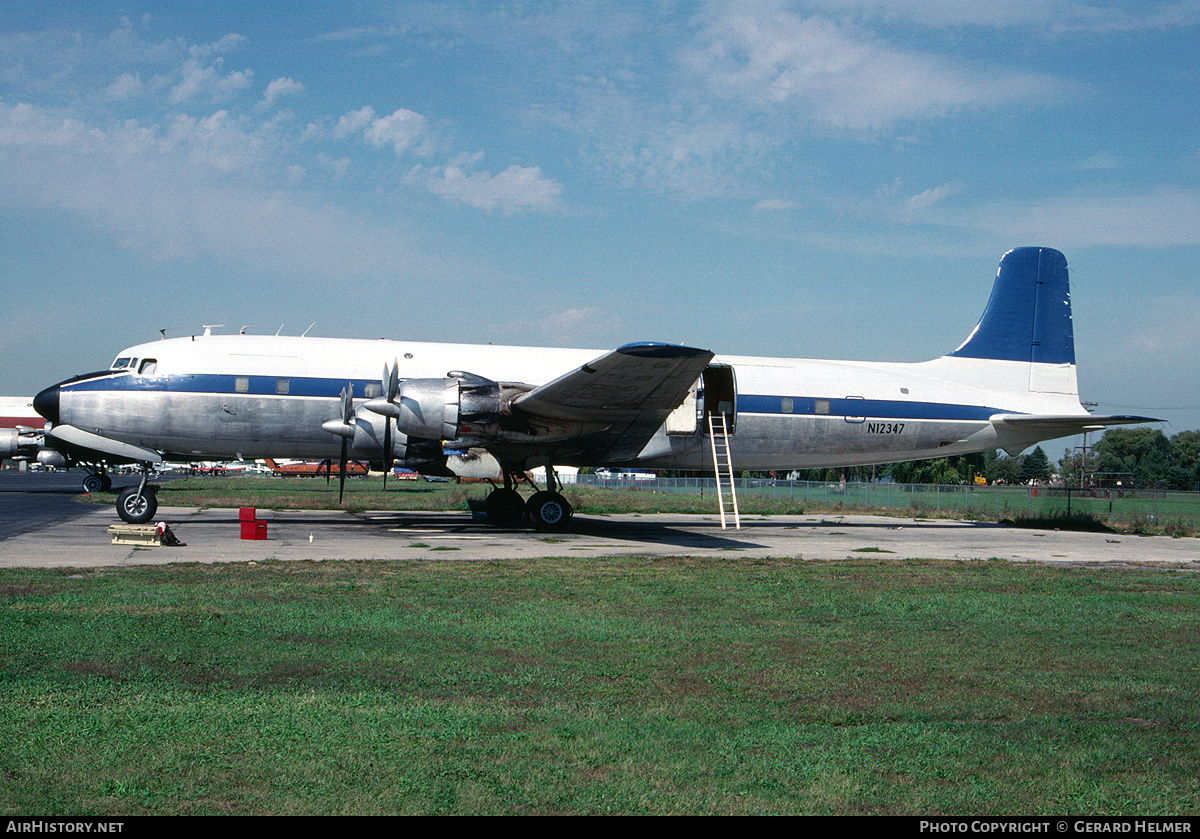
pixel 1155 508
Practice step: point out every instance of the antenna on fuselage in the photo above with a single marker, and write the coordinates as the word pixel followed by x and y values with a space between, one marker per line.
pixel 242 331
pixel 208 328
pixel 310 326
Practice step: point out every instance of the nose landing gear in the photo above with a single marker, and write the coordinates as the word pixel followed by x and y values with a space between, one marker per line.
pixel 137 505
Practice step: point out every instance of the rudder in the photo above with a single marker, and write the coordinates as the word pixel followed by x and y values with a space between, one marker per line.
pixel 1028 316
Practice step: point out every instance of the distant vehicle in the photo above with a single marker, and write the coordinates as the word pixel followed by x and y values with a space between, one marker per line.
pixel 625 475
pixel 411 475
pixel 314 468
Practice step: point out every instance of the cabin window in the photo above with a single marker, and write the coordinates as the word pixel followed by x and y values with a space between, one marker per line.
pixel 149 366
pixel 821 406
pixel 282 385
pixel 241 384
pixel 785 404
pixel 372 390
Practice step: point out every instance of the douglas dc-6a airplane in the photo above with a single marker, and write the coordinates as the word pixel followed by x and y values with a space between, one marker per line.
pixel 444 409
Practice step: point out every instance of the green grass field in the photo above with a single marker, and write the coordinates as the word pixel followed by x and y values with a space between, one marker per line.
pixel 621 686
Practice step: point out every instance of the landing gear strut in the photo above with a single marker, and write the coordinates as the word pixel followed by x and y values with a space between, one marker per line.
pixel 137 505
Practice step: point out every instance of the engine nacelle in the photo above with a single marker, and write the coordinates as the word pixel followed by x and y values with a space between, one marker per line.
pixel 19 442
pixel 437 409
pixel 411 453
pixel 428 408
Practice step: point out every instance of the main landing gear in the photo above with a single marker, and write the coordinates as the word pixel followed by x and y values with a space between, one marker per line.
pixel 97 482
pixel 137 505
pixel 545 509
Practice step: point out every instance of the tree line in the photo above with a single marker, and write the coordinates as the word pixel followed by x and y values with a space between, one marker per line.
pixel 1138 457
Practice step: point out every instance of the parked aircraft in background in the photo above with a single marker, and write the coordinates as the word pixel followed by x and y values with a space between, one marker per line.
pixel 444 409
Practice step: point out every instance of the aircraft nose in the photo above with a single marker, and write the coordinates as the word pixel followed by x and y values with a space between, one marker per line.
pixel 46 403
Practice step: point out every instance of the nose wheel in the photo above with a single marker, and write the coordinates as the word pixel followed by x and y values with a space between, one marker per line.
pixel 137 505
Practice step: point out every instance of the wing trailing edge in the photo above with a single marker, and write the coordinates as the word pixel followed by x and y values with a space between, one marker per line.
pixel 627 392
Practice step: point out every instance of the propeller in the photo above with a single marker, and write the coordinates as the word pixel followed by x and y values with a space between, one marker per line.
pixel 343 428
pixel 391 386
pixel 347 415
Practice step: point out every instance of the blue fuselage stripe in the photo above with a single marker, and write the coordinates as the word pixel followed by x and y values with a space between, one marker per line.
pixel 876 408
pixel 223 384
pixel 301 386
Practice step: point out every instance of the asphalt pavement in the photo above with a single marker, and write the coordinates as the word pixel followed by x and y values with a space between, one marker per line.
pixel 48 526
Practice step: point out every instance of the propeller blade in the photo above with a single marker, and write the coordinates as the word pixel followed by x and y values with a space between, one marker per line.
pixel 392 387
pixel 347 419
pixel 387 449
pixel 342 476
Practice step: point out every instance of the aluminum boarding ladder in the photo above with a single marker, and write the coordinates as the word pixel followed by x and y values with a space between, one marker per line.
pixel 723 468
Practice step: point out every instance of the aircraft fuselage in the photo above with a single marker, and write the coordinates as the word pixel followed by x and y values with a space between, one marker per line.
pixel 267 396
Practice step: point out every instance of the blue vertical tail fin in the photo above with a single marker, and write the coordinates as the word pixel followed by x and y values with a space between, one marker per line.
pixel 1028 316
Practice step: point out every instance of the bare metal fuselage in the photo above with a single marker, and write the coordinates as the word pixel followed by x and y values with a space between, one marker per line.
pixel 216 397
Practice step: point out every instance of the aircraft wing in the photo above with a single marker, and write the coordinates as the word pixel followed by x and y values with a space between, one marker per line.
pixel 627 392
pixel 80 439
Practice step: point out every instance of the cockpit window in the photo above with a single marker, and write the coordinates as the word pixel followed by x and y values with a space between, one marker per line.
pixel 149 366
pixel 121 363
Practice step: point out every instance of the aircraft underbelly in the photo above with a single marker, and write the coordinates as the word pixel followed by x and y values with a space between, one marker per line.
pixel 774 442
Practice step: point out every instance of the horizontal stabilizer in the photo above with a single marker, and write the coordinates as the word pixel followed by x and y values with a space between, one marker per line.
pixel 1017 432
pixel 1066 424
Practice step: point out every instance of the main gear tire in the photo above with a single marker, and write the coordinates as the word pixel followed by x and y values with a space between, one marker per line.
pixel 548 511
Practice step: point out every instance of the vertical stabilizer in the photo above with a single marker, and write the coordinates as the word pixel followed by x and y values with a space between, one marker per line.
pixel 1028 319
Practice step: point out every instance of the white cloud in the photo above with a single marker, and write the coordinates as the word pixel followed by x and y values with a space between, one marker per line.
pixel 401 130
pixel 926 199
pixel 354 121
pixel 837 74
pixel 1155 217
pixel 207 81
pixel 281 87
pixel 516 189
pixel 127 86
pixel 1047 15
pixel 165 192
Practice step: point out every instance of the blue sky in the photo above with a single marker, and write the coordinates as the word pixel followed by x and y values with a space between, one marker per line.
pixel 815 179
